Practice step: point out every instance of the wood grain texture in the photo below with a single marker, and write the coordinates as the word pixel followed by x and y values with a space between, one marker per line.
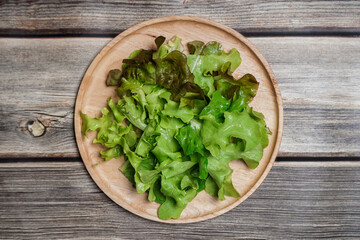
pixel 297 200
pixel 93 94
pixel 318 79
pixel 111 17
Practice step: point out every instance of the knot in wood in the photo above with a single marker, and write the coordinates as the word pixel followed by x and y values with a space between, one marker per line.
pixel 36 128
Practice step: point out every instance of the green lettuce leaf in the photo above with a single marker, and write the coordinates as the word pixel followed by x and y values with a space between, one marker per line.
pixel 202 161
pixel 155 193
pixel 96 124
pixel 189 138
pixel 204 66
pixel 164 49
pixel 195 47
pixel 176 198
pixel 187 182
pixel 199 48
pixel 176 168
pixel 253 155
pixel 133 110
pixel 136 162
pixel 179 121
pixel 110 132
pixel 212 48
pixel 211 187
pixel 166 146
pixel 128 171
pixel 147 140
pixel 128 86
pixel 241 91
pixel 172 109
pixel 155 103
pixel 111 153
pixel 250 132
pixel 217 106
pixel 220 174
pixel 170 122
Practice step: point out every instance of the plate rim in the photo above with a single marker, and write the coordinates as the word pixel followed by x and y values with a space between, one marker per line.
pixel 97 60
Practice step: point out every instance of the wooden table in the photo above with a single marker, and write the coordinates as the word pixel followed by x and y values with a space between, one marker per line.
pixel 313 189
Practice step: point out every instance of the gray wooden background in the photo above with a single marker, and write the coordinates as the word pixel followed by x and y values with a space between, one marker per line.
pixel 313 190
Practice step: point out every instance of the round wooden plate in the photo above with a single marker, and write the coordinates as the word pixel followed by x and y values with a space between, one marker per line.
pixel 93 94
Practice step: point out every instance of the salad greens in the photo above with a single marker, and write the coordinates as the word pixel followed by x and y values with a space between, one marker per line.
pixel 179 121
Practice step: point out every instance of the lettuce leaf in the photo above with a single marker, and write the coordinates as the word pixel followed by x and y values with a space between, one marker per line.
pixel 147 140
pixel 204 66
pixel 155 104
pixel 216 107
pixel 128 171
pixel 240 91
pixel 155 193
pixel 249 131
pixel 113 78
pixel 179 121
pixel 133 110
pixel 111 153
pixel 202 171
pixel 164 49
pixel 170 122
pixel 166 67
pixel 101 124
pixel 195 47
pixel 166 146
pixel 220 172
pixel 176 198
pixel 172 109
pixel 189 138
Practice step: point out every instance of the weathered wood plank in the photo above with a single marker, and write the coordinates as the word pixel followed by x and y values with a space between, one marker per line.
pixel 318 79
pixel 297 200
pixel 111 17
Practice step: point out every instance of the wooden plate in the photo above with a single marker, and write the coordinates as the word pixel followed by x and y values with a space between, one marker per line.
pixel 93 94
